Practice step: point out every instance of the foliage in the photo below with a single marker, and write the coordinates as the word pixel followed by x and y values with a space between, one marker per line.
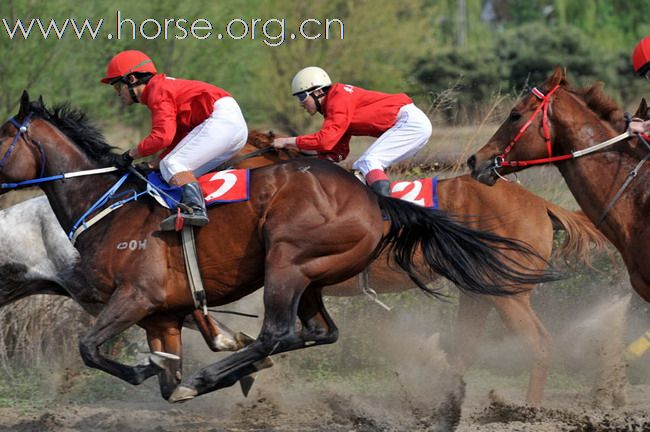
pixel 524 56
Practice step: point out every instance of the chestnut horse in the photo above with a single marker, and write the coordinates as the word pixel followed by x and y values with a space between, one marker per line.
pixel 577 119
pixel 522 216
pixel 308 224
pixel 46 266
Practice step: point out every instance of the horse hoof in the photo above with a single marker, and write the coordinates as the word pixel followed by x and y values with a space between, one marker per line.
pixel 265 363
pixel 182 394
pixel 226 343
pixel 243 339
pixel 246 383
pixel 164 360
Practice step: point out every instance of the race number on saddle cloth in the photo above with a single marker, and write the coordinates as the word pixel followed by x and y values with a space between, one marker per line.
pixel 218 187
pixel 422 192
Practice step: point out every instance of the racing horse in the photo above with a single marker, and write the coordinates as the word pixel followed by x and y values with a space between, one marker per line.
pixel 522 216
pixel 308 224
pixel 559 124
pixel 47 265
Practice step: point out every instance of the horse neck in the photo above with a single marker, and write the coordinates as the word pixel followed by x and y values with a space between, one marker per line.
pixel 70 198
pixel 594 179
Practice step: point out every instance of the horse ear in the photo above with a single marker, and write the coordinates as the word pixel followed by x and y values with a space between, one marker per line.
pixel 40 101
pixel 24 105
pixel 642 111
pixel 558 77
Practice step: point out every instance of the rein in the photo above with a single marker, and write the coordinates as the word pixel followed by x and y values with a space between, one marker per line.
pixel 230 163
pixel 499 161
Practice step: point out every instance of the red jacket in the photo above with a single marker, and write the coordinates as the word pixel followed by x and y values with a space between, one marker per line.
pixel 352 111
pixel 177 106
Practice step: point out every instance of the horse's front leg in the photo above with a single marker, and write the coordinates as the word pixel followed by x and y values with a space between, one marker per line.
pixel 124 309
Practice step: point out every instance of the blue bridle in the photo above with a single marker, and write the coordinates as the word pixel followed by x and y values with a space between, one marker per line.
pixel 22 131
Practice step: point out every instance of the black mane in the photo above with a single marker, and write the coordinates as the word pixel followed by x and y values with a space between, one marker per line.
pixel 75 125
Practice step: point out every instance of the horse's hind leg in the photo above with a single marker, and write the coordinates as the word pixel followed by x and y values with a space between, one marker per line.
pixel 470 322
pixel 278 334
pixel 165 342
pixel 121 312
pixel 317 326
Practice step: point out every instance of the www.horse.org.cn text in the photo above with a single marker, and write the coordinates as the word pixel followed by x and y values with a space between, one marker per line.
pixel 271 31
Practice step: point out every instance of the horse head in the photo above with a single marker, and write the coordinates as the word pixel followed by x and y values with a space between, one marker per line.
pixel 37 141
pixel 20 156
pixel 526 122
pixel 545 126
pixel 258 152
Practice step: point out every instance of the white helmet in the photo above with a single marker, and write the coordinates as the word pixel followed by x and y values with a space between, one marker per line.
pixel 309 78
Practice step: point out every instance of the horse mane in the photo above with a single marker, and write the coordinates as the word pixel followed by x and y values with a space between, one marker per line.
pixel 74 124
pixel 259 139
pixel 602 104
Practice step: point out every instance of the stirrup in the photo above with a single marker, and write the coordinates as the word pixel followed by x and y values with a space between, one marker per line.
pixel 176 222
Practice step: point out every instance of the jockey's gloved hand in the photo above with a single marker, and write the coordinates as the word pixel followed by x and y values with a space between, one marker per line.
pixel 143 167
pixel 124 160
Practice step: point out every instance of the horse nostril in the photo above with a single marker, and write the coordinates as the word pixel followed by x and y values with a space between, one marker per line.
pixel 471 162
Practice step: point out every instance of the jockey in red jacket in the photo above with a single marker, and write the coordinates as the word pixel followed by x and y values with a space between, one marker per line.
pixel 641 64
pixel 195 125
pixel 402 128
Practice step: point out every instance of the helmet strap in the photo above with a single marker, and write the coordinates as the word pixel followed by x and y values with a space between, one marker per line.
pixel 130 85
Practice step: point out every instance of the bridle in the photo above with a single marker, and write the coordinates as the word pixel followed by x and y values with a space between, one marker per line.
pixel 499 161
pixel 22 133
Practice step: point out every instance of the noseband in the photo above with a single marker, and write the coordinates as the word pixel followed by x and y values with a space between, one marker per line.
pixel 22 133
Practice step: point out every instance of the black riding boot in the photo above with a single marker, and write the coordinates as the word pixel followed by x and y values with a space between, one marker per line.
pixel 381 187
pixel 193 198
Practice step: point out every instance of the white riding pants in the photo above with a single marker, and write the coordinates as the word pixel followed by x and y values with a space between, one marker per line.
pixel 214 141
pixel 409 134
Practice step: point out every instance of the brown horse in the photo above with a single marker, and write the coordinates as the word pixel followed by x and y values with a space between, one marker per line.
pixel 506 209
pixel 309 224
pixel 577 120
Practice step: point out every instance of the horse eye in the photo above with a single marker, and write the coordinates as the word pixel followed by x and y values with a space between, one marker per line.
pixel 514 116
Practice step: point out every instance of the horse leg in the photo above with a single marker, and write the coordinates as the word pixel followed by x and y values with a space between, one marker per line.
pixel 121 312
pixel 164 337
pixel 470 322
pixel 317 326
pixel 278 334
pixel 519 316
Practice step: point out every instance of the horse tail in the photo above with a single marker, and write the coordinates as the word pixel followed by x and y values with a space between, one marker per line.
pixel 476 261
pixel 582 238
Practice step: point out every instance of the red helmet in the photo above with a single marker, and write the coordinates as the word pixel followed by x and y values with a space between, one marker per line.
pixel 127 62
pixel 641 56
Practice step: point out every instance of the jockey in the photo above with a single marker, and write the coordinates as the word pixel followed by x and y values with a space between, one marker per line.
pixel 194 125
pixel 402 128
pixel 641 64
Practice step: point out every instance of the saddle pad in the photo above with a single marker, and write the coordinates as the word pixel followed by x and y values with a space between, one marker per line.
pixel 423 192
pixel 218 187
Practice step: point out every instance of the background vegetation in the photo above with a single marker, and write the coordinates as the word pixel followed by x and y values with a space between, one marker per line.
pixel 478 48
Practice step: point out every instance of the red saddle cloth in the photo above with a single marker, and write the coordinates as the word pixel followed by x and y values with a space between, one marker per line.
pixel 226 186
pixel 421 192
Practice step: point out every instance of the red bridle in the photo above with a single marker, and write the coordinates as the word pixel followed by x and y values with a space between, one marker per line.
pixel 500 161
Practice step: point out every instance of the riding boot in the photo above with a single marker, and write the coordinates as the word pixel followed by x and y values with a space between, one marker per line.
pixel 381 187
pixel 193 198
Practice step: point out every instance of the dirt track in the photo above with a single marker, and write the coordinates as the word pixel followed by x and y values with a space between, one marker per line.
pixel 328 412
pixel 414 392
